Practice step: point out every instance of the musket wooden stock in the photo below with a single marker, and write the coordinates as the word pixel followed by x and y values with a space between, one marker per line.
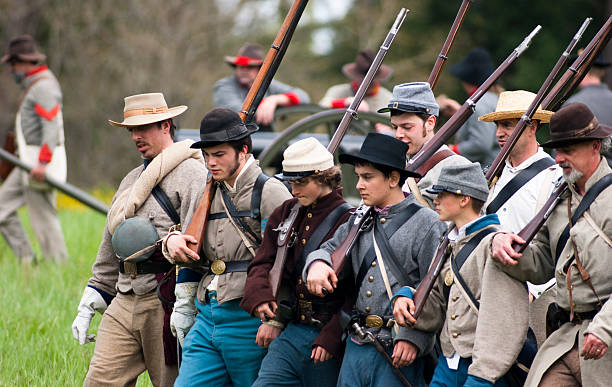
pixel 578 69
pixel 339 256
pixel 197 226
pixel 448 44
pixel 6 167
pixel 422 291
pixel 498 164
pixel 467 109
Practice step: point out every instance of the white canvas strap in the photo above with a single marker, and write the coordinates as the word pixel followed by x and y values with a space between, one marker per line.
pixel 385 277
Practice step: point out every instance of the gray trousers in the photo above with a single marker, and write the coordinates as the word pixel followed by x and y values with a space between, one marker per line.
pixel 41 205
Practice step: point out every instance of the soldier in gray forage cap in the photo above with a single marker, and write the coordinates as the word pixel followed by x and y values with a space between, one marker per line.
pixel 414 113
pixel 471 296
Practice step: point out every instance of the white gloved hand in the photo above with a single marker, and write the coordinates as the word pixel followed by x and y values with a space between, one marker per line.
pixel 90 302
pixel 184 312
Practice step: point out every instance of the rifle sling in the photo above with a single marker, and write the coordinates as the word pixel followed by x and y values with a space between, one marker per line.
pixel 585 203
pixel 517 182
pixel 255 211
pixel 462 256
pixel 233 212
pixel 322 230
pixel 433 161
pixel 393 224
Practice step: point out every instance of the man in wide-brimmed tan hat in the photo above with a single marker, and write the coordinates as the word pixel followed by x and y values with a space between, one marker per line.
pixel 39 131
pixel 231 91
pixel 526 181
pixel 576 252
pixel 134 334
pixel 377 97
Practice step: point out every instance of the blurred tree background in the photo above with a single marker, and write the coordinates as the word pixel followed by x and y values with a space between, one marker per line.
pixel 102 51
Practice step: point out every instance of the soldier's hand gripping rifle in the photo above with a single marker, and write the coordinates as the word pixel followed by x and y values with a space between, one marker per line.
pixel 285 229
pixel 498 164
pixel 448 44
pixel 197 225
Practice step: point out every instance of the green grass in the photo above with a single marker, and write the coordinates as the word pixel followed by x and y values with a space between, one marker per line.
pixel 38 304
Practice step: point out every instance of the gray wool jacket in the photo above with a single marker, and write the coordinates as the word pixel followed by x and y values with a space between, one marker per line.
pixel 414 244
pixel 476 139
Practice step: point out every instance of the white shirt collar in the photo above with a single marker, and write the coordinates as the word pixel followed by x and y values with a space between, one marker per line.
pixel 540 154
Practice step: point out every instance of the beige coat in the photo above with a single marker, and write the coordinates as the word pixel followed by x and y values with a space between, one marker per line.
pixel 223 242
pixel 492 336
pixel 536 265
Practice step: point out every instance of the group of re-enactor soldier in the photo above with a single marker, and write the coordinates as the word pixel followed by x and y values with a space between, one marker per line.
pixel 232 328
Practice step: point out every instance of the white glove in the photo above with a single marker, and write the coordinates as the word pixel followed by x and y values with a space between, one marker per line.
pixel 90 302
pixel 184 312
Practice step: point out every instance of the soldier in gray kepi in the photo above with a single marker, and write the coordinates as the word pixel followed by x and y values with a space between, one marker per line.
pixel 414 113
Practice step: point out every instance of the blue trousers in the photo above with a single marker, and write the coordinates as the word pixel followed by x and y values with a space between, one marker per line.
pixel 362 365
pixel 445 377
pixel 220 348
pixel 288 361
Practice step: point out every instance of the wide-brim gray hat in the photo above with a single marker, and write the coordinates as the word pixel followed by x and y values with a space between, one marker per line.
pixel 413 97
pixel 222 125
pixel 465 179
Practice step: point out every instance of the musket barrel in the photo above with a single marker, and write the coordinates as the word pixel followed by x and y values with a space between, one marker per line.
pixel 527 41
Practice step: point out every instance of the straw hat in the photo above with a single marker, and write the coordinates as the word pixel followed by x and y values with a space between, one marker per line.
pixel 144 109
pixel 513 104
pixel 305 158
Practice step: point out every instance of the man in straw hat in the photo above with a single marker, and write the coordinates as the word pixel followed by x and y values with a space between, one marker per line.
pixel 468 300
pixel 220 348
pixel 341 96
pixel 134 334
pixel 39 131
pixel 407 235
pixel 474 140
pixel 576 251
pixel 414 112
pixel 231 91
pixel 309 349
pixel 527 179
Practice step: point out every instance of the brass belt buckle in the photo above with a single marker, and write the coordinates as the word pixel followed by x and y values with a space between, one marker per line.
pixel 217 267
pixel 130 268
pixel 373 321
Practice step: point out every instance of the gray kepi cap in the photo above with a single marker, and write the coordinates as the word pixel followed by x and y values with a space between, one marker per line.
pixel 413 97
pixel 134 239
pixel 465 179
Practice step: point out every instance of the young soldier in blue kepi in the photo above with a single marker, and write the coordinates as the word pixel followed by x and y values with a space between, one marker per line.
pixel 471 295
pixel 407 234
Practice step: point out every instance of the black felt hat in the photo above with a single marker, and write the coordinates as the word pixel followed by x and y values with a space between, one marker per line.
pixel 381 149
pixel 222 125
pixel 475 68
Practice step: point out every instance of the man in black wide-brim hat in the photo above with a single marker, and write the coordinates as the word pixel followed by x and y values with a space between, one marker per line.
pixel 407 235
pixel 577 252
pixel 220 348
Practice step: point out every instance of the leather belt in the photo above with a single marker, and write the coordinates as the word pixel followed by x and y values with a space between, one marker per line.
pixel 579 317
pixel 146 267
pixel 221 267
pixel 376 321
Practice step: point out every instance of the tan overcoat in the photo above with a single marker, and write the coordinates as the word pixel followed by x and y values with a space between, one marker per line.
pixel 537 265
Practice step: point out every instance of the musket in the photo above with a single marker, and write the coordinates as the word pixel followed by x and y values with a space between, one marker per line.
pixel 467 109
pixel 448 43
pixel 574 74
pixel 351 112
pixel 424 289
pixel 286 228
pixel 531 229
pixel 66 188
pixel 498 164
pixel 9 145
pixel 197 225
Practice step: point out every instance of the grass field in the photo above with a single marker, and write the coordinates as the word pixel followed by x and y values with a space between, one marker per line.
pixel 38 304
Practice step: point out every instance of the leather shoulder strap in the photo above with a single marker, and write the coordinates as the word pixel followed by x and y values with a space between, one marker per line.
pixel 256 195
pixel 434 160
pixel 517 182
pixel 165 203
pixel 587 200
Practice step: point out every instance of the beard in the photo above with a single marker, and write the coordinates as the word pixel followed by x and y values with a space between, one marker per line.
pixel 573 176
